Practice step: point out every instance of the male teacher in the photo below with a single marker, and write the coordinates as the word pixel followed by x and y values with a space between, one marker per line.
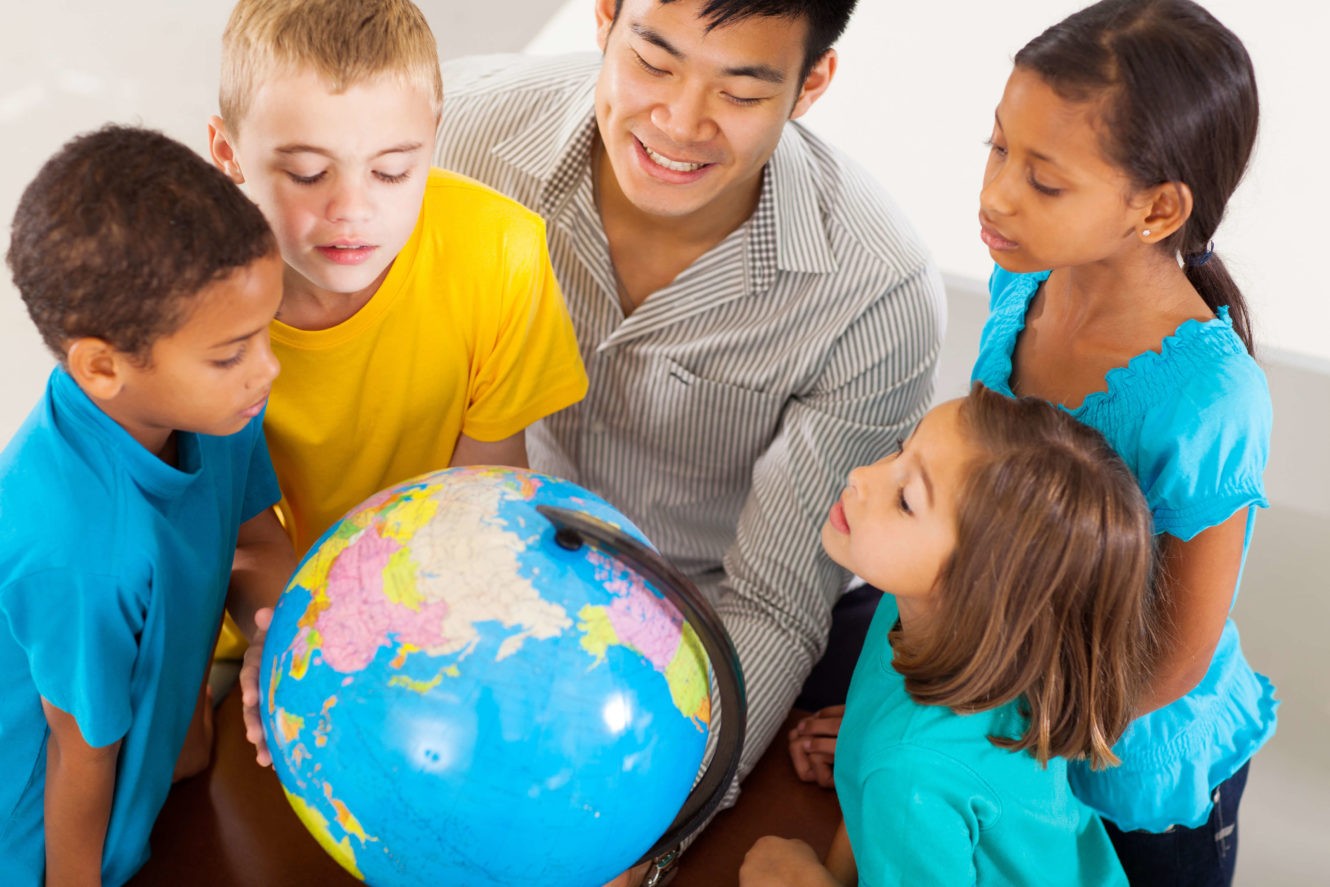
pixel 755 315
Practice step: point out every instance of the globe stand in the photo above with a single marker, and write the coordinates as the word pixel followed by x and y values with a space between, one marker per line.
pixel 573 529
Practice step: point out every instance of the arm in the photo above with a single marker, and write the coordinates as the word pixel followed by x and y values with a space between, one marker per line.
pixel 1196 584
pixel 80 785
pixel 263 564
pixel 779 585
pixel 508 451
pixel 785 862
pixel 840 858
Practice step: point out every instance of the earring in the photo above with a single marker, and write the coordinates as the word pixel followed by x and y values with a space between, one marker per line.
pixel 1146 233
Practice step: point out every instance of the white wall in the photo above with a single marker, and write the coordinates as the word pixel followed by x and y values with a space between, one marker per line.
pixel 914 98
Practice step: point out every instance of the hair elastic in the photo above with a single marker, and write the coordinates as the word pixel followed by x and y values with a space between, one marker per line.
pixel 1196 260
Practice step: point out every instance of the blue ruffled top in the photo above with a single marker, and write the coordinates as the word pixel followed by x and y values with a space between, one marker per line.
pixel 1192 421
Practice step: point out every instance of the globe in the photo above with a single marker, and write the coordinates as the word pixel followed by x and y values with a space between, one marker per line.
pixel 460 687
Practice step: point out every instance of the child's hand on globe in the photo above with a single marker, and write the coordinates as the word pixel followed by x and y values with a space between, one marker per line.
pixel 249 687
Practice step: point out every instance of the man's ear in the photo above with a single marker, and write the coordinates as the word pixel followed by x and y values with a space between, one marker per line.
pixel 1167 208
pixel 604 21
pixel 96 367
pixel 223 150
pixel 816 83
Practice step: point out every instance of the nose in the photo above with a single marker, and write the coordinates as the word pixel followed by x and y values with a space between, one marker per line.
pixel 349 201
pixel 995 197
pixel 683 116
pixel 266 365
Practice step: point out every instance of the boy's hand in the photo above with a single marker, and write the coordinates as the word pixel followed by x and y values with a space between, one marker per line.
pixel 783 861
pixel 249 687
pixel 196 753
pixel 813 745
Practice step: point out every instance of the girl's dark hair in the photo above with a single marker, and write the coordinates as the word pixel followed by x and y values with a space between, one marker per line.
pixel 1047 597
pixel 1180 105
pixel 118 232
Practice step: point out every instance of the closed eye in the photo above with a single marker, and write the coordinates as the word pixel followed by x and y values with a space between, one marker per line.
pixel 305 180
pixel 648 67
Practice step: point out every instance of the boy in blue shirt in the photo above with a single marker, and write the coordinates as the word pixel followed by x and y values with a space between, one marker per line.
pixel 125 494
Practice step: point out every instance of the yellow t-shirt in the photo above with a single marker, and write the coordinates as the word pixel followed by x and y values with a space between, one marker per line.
pixel 467 333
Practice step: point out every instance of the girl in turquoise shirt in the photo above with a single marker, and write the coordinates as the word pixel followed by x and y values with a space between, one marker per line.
pixel 1116 144
pixel 1121 134
pixel 1016 550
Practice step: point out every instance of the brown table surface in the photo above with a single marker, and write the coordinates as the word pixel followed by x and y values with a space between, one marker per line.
pixel 230 826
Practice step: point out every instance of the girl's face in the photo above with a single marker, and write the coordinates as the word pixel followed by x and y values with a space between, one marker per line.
pixel 894 525
pixel 1051 198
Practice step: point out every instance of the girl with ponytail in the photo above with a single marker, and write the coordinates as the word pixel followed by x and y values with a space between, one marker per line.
pixel 1120 136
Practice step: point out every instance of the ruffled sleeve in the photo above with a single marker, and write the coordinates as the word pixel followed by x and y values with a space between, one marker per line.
pixel 1203 447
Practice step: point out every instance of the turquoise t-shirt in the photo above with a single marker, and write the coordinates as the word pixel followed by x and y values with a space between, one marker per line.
pixel 927 799
pixel 114 568
pixel 1192 422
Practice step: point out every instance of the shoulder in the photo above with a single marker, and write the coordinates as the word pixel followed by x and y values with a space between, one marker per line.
pixel 464 205
pixel 1203 377
pixel 498 95
pixel 857 211
pixel 42 475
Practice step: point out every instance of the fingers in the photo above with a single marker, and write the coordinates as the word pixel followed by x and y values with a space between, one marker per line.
pixel 249 688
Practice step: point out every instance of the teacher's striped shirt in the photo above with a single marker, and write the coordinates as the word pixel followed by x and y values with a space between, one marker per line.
pixel 725 412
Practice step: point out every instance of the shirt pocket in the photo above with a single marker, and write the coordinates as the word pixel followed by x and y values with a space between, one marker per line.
pixel 710 431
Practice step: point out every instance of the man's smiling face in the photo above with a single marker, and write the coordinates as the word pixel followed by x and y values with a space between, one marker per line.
pixel 689 115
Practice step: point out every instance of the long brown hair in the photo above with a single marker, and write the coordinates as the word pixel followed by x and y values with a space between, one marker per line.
pixel 1047 596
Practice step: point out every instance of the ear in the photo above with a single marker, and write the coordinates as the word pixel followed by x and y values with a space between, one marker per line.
pixel 1167 208
pixel 605 13
pixel 223 150
pixel 816 83
pixel 95 366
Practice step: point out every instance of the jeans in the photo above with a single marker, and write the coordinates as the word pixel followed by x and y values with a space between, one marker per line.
pixel 1195 857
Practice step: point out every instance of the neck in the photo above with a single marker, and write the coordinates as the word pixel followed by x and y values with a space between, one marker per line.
pixel 1104 295
pixel 307 307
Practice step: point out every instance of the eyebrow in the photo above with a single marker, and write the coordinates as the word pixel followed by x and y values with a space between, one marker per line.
pixel 297 148
pixel 765 73
pixel 1035 154
pixel 240 338
pixel 928 482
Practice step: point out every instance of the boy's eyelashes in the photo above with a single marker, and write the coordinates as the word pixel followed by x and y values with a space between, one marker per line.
pixel 233 360
pixel 313 179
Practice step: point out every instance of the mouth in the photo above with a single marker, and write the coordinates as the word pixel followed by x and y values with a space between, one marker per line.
pixel 255 408
pixel 993 239
pixel 670 166
pixel 836 517
pixel 345 252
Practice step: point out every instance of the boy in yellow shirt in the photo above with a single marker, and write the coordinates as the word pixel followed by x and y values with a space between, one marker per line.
pixel 421 324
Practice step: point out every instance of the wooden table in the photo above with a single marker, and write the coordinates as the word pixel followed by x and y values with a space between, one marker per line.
pixel 230 826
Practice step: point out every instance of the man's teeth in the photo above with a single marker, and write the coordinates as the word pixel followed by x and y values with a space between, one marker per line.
pixel 676 165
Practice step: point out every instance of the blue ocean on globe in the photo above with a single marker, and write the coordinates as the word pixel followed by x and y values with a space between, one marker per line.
pixel 451 697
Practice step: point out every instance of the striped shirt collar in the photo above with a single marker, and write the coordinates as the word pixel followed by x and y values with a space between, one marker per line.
pixel 787 232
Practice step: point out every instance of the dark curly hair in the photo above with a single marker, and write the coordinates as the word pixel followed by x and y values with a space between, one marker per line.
pixel 117 233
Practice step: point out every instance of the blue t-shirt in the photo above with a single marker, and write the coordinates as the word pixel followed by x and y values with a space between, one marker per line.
pixel 1192 422
pixel 927 799
pixel 113 572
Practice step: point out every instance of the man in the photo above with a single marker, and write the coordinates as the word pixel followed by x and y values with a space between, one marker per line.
pixel 755 316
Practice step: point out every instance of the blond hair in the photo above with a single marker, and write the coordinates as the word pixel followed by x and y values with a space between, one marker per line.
pixel 1047 598
pixel 346 42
